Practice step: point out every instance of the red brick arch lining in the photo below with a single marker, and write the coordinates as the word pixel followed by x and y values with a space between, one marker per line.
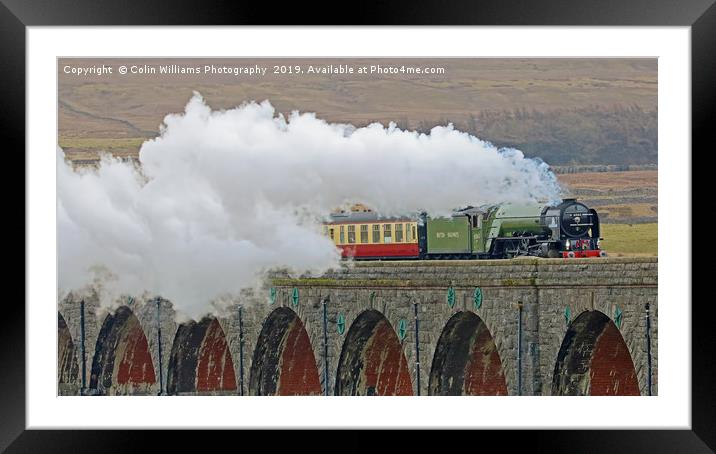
pixel 466 361
pixel 67 352
pixel 283 362
pixel 200 360
pixel 372 360
pixel 122 363
pixel 594 360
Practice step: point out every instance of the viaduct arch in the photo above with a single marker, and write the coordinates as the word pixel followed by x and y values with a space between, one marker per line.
pixel 68 370
pixel 200 360
pixel 372 361
pixel 122 363
pixel 594 360
pixel 283 362
pixel 466 360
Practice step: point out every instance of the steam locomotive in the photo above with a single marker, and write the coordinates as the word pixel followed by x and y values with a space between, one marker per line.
pixel 569 229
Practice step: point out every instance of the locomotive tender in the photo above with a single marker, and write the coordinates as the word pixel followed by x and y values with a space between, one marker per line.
pixel 569 229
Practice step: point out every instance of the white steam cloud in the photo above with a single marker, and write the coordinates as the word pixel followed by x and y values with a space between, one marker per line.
pixel 222 196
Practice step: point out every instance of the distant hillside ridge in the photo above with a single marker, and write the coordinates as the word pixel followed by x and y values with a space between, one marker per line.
pixel 602 168
pixel 567 137
pixel 619 136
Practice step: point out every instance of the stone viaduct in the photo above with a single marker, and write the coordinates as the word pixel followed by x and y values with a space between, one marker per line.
pixel 512 327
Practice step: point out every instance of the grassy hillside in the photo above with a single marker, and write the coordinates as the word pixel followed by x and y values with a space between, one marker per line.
pixel 620 197
pixel 566 111
pixel 591 135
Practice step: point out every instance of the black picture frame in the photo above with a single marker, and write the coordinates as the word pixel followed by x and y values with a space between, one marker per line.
pixel 700 15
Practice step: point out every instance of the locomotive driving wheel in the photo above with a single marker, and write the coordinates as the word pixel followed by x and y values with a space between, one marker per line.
pixel 523 247
pixel 517 247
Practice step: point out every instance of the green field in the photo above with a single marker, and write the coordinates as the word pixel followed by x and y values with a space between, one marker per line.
pixel 621 240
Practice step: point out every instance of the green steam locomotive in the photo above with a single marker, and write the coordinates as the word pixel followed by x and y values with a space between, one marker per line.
pixel 507 230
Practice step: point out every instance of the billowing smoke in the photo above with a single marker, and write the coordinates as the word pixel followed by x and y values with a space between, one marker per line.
pixel 222 196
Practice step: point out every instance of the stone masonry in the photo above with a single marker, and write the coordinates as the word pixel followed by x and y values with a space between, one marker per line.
pixel 570 311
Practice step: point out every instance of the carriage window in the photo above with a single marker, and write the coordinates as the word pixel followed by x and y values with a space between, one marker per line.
pixel 387 235
pixel 376 233
pixel 364 234
pixel 343 235
pixel 351 234
pixel 415 235
pixel 332 233
pixel 398 233
pixel 408 238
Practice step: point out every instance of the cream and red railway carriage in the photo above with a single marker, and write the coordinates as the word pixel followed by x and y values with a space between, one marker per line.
pixel 362 234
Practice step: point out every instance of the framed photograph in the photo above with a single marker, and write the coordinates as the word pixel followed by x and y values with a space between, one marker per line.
pixel 468 225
